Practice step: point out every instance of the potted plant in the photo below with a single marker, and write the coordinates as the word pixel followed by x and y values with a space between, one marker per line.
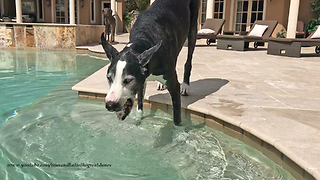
pixel 281 34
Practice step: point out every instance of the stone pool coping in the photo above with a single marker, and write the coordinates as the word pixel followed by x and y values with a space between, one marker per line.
pixel 269 102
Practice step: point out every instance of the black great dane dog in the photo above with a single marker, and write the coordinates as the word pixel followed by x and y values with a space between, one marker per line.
pixel 156 40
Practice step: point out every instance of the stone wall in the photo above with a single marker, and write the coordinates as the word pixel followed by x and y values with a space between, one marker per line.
pixel 47 36
pixel 54 37
pixel 5 37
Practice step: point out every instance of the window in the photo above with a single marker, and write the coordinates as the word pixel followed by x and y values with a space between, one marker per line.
pixel 40 14
pixel 92 11
pixel 256 11
pixel 28 7
pixel 203 11
pixel 60 11
pixel 218 9
pixel 247 12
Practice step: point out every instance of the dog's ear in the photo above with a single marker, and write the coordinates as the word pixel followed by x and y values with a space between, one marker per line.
pixel 110 50
pixel 147 54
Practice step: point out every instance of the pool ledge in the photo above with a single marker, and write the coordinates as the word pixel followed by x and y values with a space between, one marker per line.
pixel 249 97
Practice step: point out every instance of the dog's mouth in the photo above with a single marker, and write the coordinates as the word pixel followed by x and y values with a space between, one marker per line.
pixel 127 107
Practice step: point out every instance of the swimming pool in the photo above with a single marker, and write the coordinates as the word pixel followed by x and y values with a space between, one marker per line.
pixel 47 132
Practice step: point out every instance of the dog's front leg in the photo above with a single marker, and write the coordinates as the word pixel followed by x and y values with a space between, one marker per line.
pixel 173 87
pixel 140 97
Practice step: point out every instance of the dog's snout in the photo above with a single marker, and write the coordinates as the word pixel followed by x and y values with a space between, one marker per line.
pixel 112 106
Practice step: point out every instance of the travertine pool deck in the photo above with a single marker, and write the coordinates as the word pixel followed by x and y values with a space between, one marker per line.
pixel 274 98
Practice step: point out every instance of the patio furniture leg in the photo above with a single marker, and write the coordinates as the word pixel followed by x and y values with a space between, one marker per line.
pixel 317 49
pixel 246 45
pixel 257 44
pixel 209 41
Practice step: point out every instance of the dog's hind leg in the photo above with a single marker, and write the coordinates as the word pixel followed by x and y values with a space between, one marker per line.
pixel 192 37
pixel 112 32
pixel 161 87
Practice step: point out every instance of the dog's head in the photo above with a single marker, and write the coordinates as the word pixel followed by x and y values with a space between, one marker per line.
pixel 107 11
pixel 126 76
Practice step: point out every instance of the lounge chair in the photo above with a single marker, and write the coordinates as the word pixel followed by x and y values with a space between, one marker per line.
pixel 292 47
pixel 210 29
pixel 241 43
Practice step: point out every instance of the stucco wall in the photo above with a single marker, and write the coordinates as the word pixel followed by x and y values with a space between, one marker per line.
pixel 86 34
pixel 47 13
pixel 279 10
pixel 227 17
pixel 85 13
pixel 305 14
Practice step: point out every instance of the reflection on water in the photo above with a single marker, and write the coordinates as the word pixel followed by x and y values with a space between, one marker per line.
pixel 44 125
pixel 47 61
pixel 25 76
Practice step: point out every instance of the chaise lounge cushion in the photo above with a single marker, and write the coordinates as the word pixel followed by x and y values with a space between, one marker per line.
pixel 258 30
pixel 214 25
pixel 316 34
pixel 206 32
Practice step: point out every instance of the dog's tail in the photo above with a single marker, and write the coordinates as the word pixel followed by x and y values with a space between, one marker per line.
pixel 192 37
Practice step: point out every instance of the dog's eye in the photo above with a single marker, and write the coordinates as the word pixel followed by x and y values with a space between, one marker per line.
pixel 127 80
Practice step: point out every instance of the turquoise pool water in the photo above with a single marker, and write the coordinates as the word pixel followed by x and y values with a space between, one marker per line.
pixel 47 132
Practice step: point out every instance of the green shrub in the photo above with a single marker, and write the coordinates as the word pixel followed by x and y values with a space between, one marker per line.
pixel 133 6
pixel 138 5
pixel 314 23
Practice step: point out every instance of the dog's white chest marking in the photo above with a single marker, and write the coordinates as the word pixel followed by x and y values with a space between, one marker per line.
pixel 156 78
pixel 116 89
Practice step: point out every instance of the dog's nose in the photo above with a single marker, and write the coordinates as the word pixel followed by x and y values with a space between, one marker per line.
pixel 112 106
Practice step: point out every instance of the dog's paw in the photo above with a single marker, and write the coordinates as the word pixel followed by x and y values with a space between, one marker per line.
pixel 161 87
pixel 139 115
pixel 185 89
